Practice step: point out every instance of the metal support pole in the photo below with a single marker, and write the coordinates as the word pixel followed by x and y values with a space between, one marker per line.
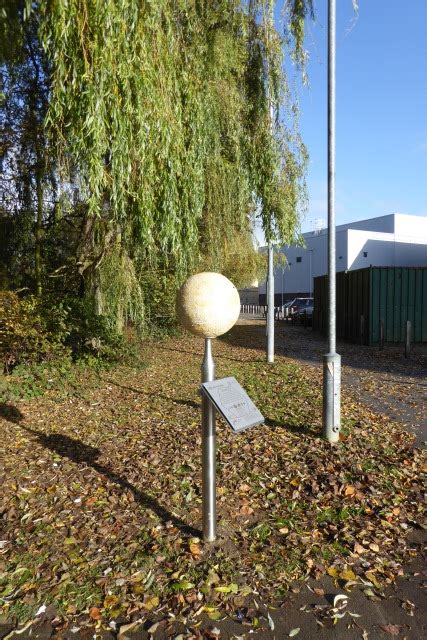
pixel 270 306
pixel 408 339
pixel 331 360
pixel 208 450
pixel 283 275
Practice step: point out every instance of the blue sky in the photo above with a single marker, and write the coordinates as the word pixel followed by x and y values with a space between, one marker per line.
pixel 381 153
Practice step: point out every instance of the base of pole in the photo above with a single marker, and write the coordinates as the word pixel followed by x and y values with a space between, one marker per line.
pixel 331 397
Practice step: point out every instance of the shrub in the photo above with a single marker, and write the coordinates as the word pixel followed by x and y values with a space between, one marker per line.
pixel 32 329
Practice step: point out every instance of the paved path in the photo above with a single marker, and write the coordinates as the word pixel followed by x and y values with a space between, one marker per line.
pixel 385 380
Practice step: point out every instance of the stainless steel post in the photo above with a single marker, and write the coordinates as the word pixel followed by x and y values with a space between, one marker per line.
pixel 283 274
pixel 331 360
pixel 270 306
pixel 208 450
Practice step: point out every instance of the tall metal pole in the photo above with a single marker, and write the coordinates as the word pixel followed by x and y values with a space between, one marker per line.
pixel 283 275
pixel 208 450
pixel 331 360
pixel 270 306
pixel 270 281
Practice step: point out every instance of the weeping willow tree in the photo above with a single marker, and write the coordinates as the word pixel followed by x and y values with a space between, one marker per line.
pixel 162 111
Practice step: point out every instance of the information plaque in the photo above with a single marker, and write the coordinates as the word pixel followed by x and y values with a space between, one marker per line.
pixel 233 403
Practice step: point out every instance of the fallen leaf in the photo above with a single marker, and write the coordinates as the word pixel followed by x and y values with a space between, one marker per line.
pixel 111 601
pixel 95 613
pixel 151 603
pixel 340 598
pixel 215 615
pixel 392 629
pixel 270 621
pixel 347 574
pixel 246 510
pixel 133 626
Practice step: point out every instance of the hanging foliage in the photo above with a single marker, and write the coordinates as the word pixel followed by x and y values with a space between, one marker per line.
pixel 164 108
pixel 168 129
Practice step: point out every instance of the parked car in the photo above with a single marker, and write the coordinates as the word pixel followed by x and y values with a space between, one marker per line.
pixel 298 305
pixel 305 315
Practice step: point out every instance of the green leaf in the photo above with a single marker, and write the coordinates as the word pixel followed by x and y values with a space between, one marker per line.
pixel 182 585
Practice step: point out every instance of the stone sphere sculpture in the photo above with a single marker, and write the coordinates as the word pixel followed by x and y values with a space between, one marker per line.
pixel 208 304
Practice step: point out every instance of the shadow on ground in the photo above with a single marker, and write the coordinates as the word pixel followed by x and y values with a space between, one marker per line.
pixel 307 345
pixel 187 403
pixel 304 429
pixel 81 453
pixel 200 353
pixel 11 413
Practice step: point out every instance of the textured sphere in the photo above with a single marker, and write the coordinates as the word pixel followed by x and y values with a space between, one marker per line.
pixel 208 304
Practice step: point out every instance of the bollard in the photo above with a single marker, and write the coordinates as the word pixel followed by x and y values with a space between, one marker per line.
pixel 408 339
pixel 362 329
pixel 381 334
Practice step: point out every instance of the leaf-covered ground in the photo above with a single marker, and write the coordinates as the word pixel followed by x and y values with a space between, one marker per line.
pixel 101 500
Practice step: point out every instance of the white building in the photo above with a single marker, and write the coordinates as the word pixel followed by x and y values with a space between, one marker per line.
pixel 396 240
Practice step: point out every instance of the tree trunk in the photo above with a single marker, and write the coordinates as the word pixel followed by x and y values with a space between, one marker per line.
pixel 38 234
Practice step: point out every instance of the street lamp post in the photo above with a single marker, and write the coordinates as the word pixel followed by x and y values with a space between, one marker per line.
pixel 331 360
pixel 270 306
pixel 283 274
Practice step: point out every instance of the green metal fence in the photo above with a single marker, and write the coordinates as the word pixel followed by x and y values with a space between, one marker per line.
pixel 367 297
